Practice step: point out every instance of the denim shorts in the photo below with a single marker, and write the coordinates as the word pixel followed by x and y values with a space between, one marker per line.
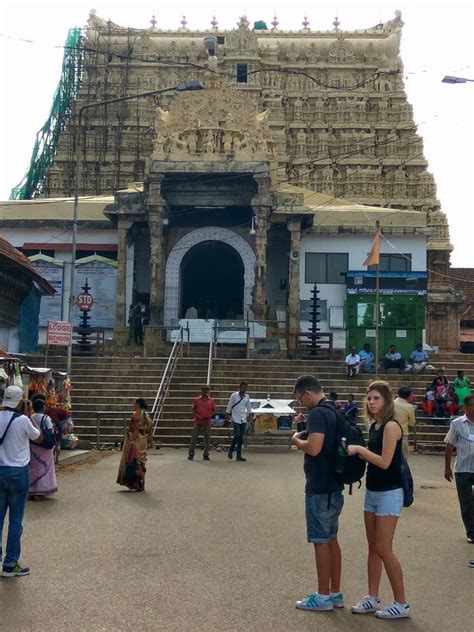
pixel 322 523
pixel 388 503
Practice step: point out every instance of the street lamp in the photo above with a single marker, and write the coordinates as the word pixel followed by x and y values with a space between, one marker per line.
pixel 451 79
pixel 181 87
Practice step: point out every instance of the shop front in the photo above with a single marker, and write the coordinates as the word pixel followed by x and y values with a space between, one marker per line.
pixel 402 300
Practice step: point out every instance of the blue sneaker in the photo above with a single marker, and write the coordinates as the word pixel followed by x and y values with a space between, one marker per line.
pixel 313 601
pixel 337 600
pixel 15 571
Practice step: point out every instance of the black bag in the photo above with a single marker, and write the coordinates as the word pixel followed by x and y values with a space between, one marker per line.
pixel 347 469
pixel 407 482
pixel 130 473
pixel 49 440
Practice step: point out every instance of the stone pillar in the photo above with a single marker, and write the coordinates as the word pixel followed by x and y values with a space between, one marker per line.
pixel 444 305
pixel 123 226
pixel 294 226
pixel 258 306
pixel 157 264
pixel 156 209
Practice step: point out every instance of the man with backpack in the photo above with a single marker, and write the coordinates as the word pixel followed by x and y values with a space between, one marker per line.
pixel 16 431
pixel 323 442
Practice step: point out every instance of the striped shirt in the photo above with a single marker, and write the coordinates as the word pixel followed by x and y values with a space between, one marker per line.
pixel 461 435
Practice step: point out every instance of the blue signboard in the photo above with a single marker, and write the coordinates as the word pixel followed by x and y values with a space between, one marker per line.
pixel 285 422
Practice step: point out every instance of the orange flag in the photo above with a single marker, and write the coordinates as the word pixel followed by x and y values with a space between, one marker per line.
pixel 373 258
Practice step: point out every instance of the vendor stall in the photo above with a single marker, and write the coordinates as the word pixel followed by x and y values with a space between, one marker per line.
pixel 272 416
pixel 10 371
pixel 55 387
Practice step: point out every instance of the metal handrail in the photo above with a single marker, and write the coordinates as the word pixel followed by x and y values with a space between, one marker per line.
pixel 171 328
pixel 212 345
pixel 163 388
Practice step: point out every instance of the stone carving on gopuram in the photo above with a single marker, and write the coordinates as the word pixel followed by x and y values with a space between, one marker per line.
pixel 218 122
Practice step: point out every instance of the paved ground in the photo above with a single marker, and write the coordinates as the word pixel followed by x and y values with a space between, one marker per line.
pixel 220 546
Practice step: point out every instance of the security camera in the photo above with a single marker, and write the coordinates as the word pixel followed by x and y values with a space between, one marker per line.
pixel 210 44
pixel 295 254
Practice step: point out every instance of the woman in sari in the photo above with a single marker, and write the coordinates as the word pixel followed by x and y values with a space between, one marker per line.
pixel 42 471
pixel 462 386
pixel 138 437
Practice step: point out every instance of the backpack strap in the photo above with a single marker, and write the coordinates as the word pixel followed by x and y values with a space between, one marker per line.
pixel 14 416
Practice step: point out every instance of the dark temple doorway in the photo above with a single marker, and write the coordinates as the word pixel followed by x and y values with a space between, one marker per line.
pixel 212 281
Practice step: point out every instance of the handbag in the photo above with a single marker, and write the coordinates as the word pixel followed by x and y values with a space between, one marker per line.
pixel 407 482
pixel 49 440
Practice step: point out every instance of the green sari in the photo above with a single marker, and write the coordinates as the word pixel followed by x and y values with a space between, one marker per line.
pixel 462 388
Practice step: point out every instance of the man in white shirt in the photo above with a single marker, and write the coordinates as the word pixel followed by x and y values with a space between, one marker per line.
pixel 16 431
pixel 461 437
pixel 352 363
pixel 238 410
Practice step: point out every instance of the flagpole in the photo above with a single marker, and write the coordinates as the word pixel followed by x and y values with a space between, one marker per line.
pixel 377 307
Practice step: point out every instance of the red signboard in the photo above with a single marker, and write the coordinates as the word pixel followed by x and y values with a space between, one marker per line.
pixel 59 333
pixel 85 301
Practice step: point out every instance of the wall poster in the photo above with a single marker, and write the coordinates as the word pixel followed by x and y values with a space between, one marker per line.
pixel 101 275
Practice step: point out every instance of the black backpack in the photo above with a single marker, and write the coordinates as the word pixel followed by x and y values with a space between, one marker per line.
pixel 347 469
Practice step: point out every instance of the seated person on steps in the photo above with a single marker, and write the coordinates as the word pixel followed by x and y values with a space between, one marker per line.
pixel 393 359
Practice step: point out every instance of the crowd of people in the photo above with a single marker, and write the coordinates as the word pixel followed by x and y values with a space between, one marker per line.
pixel 363 361
pixel 320 440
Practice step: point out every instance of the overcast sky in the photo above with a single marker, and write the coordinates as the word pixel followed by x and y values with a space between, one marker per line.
pixel 437 40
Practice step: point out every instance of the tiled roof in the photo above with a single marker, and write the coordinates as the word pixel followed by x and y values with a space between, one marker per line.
pixel 17 258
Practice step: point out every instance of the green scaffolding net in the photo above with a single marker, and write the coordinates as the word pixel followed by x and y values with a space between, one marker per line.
pixel 47 138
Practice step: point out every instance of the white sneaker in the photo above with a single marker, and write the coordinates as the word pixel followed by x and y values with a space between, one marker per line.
pixel 394 610
pixel 314 601
pixel 366 605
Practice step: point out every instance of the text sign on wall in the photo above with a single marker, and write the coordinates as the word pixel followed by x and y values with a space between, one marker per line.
pixel 101 275
pixel 59 333
pixel 51 306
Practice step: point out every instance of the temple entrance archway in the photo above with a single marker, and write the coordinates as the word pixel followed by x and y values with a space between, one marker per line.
pixel 192 257
pixel 212 280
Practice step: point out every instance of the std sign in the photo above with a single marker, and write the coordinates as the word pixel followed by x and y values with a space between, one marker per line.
pixel 85 302
pixel 59 333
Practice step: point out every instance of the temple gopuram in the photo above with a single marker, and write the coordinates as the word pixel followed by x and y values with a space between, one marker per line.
pixel 258 169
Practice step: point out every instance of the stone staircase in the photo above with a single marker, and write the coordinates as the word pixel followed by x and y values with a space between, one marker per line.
pixel 111 384
pixel 277 377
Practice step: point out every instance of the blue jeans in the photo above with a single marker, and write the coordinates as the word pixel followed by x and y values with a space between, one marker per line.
pixel 322 522
pixel 239 435
pixel 14 485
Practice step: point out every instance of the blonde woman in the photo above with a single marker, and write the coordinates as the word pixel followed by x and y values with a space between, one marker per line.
pixel 383 502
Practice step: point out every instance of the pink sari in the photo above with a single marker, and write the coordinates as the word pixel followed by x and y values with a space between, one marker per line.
pixel 42 473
